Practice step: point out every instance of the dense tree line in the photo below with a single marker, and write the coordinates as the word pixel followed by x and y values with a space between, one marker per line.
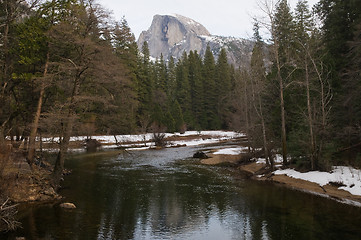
pixel 190 93
pixel 305 103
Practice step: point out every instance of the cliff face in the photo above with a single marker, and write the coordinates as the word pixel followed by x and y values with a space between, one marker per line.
pixel 171 35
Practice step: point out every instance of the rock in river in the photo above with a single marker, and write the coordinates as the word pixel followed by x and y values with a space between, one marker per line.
pixel 68 205
pixel 200 155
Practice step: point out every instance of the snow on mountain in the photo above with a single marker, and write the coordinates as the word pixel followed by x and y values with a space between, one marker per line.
pixel 173 34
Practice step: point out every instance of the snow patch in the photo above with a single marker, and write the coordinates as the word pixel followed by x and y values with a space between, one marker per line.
pixel 277 159
pixel 172 15
pixel 231 151
pixel 142 141
pixel 223 41
pixel 348 176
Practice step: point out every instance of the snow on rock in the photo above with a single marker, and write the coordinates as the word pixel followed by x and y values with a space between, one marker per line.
pixel 340 174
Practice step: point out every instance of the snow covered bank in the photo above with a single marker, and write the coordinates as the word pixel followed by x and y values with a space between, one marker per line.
pixel 231 151
pixel 347 176
pixel 148 136
pixel 144 141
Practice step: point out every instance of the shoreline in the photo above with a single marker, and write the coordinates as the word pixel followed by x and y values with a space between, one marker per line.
pixel 256 170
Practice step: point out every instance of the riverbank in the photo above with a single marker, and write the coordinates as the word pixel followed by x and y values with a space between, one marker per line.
pixel 143 141
pixel 342 184
pixel 22 184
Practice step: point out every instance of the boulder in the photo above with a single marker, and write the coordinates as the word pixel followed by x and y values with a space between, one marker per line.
pixel 200 155
pixel 92 145
pixel 68 205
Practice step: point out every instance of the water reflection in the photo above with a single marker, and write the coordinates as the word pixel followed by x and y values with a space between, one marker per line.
pixel 165 195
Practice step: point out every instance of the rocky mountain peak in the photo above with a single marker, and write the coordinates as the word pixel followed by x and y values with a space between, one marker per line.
pixel 189 24
pixel 173 34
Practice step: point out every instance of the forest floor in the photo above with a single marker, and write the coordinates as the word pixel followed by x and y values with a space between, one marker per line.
pixel 20 183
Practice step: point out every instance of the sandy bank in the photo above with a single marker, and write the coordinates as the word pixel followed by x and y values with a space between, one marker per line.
pixel 327 190
pixel 218 159
pixel 254 170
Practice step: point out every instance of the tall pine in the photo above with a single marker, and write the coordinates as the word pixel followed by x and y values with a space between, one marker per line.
pixel 210 115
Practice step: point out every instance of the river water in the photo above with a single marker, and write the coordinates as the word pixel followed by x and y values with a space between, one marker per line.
pixel 165 194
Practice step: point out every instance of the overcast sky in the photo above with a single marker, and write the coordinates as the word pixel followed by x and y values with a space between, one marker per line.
pixel 220 17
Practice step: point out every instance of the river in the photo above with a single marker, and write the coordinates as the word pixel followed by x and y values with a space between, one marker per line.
pixel 165 194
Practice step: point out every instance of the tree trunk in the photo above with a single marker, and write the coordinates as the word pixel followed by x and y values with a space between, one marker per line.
pixel 6 56
pixel 259 111
pixel 67 131
pixel 31 152
pixel 283 114
pixel 325 99
pixel 2 137
pixel 64 145
pixel 268 156
pixel 3 83
pixel 247 117
pixel 310 122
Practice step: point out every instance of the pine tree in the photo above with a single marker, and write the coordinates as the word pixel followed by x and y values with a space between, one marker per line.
pixel 126 48
pixel 340 30
pixel 176 112
pixel 351 99
pixel 303 137
pixel 171 79
pixel 145 88
pixel 10 11
pixel 304 23
pixel 122 118
pixel 196 87
pixel 160 74
pixel 183 88
pixel 210 114
pixel 33 51
pixel 339 18
pixel 223 84
pixel 282 51
pixel 258 86
pixel 283 32
pixel 169 122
